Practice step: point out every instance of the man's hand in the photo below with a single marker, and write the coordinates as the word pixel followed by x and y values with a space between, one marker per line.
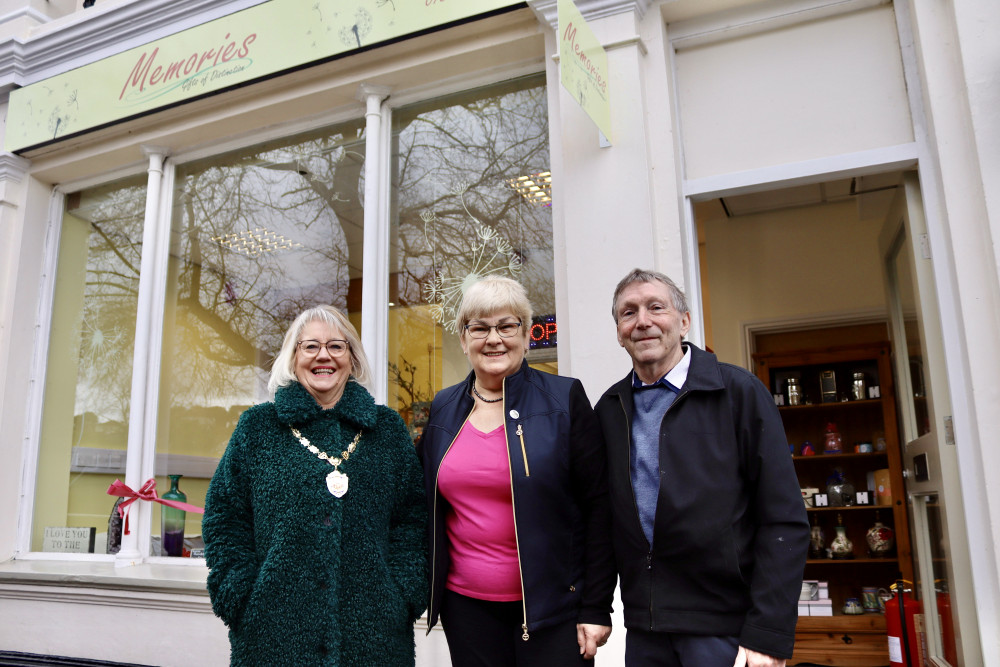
pixel 747 658
pixel 591 637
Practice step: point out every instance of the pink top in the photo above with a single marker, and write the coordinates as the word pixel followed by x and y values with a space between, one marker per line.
pixel 475 480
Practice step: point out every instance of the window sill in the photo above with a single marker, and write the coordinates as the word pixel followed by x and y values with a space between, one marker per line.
pixel 187 579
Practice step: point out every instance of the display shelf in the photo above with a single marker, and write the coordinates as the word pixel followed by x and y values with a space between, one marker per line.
pixel 844 639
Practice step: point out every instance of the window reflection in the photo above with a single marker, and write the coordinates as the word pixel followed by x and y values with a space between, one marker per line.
pixel 256 237
pixel 89 368
pixel 457 217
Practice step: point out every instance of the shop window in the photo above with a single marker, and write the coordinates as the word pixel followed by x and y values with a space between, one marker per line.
pixel 255 237
pixel 88 380
pixel 471 197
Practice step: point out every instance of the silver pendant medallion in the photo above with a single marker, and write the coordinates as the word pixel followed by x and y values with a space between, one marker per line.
pixel 336 482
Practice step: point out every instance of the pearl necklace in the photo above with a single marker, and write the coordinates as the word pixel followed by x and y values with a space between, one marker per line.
pixel 336 481
pixel 480 396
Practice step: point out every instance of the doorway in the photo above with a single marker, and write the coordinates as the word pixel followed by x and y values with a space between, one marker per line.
pixel 810 266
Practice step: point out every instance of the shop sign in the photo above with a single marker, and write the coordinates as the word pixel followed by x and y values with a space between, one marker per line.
pixel 543 333
pixel 583 66
pixel 258 42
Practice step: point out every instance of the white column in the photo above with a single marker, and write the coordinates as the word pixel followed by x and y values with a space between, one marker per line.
pixel 375 271
pixel 140 512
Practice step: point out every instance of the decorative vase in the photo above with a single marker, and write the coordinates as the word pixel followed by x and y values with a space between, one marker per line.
pixel 839 490
pixel 172 529
pixel 115 529
pixel 817 542
pixel 841 547
pixel 853 607
pixel 880 539
pixel 833 443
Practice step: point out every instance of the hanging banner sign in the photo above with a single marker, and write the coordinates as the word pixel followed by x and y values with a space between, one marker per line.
pixel 234 50
pixel 583 66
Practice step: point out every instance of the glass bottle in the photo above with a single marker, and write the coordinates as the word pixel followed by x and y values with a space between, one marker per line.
pixel 172 529
pixel 841 547
pixel 115 529
pixel 859 388
pixel 794 392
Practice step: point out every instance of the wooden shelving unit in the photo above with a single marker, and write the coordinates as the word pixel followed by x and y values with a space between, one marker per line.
pixel 844 640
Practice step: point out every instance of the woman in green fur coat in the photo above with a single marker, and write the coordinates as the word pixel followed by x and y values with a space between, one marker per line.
pixel 315 519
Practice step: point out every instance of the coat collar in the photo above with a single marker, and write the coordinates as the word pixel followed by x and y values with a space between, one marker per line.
pixel 703 375
pixel 297 407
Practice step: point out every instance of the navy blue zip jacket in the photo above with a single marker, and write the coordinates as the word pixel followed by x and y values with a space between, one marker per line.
pixel 730 535
pixel 562 511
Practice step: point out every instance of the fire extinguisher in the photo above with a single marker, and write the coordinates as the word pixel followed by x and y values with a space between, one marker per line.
pixel 947 624
pixel 899 614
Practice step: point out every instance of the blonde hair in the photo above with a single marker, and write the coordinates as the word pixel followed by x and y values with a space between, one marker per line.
pixel 283 368
pixel 490 295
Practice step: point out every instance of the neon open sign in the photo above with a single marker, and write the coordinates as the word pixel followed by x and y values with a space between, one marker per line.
pixel 544 332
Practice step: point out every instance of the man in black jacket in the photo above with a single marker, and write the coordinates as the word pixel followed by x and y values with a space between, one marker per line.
pixel 710 530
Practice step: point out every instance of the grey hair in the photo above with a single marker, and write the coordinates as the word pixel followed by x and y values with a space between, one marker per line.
pixel 647 276
pixel 490 295
pixel 283 369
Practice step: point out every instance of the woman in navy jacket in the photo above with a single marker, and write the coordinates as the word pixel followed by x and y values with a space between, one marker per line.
pixel 522 566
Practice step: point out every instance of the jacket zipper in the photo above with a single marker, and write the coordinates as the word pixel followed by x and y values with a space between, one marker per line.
pixel 524 451
pixel 517 543
pixel 437 474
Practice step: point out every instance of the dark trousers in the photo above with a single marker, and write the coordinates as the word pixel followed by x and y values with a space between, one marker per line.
pixel 667 649
pixel 481 633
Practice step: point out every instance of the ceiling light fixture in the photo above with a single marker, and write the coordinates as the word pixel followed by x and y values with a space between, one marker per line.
pixel 535 188
pixel 255 242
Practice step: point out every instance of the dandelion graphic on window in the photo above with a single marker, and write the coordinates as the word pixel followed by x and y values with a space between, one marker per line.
pixel 486 253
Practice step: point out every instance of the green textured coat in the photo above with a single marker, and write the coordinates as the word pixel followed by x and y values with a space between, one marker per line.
pixel 302 577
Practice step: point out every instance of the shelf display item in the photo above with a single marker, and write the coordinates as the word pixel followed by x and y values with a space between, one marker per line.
pixel 859 388
pixel 853 607
pixel 828 386
pixel 115 529
pixel 172 529
pixel 794 392
pixel 839 490
pixel 808 449
pixel 841 548
pixel 880 538
pixel 817 541
pixel 833 443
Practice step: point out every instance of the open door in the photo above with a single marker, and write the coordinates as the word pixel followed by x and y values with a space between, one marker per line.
pixel 943 581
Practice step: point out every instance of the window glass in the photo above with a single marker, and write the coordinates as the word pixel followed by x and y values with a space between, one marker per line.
pixel 471 190
pixel 89 369
pixel 257 236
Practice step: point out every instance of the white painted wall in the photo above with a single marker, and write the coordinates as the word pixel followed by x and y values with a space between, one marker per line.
pixel 811 90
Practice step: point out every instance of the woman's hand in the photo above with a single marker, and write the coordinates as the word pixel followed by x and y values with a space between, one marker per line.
pixel 591 637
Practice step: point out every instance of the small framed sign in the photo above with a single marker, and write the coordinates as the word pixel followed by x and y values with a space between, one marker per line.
pixel 69 540
pixel 863 498
pixel 821 500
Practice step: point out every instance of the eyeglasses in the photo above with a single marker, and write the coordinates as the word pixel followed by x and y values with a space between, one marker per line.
pixel 335 347
pixel 504 329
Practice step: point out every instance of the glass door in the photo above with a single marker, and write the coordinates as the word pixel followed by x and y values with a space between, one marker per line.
pixel 940 545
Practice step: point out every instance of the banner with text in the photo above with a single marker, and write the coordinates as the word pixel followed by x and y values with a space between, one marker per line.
pixel 583 66
pixel 245 46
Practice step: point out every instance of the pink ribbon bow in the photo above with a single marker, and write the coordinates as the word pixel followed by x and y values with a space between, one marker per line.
pixel 148 493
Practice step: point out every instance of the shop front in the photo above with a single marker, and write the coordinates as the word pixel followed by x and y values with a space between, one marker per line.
pixel 184 178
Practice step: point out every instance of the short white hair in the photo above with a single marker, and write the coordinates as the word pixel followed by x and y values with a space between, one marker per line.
pixel 491 295
pixel 283 369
